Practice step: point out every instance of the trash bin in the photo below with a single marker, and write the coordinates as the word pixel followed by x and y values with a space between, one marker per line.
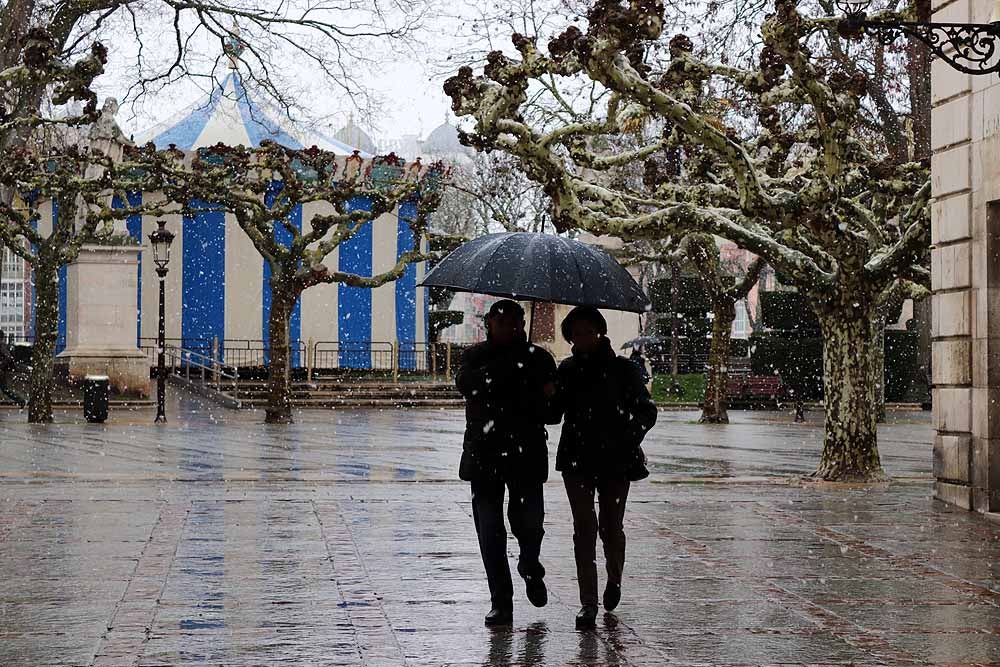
pixel 22 353
pixel 96 392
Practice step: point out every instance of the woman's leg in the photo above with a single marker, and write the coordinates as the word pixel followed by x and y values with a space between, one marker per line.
pixel 611 497
pixel 580 491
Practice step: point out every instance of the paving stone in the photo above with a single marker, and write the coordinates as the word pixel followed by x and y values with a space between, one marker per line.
pixel 345 539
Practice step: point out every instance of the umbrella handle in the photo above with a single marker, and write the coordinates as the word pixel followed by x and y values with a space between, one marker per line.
pixel 531 324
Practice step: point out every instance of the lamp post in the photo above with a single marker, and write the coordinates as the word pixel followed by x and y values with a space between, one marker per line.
pixel 161 240
pixel 971 48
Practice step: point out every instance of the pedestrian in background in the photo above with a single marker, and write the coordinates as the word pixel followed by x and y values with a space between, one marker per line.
pixel 606 414
pixel 508 384
pixel 6 366
pixel 639 360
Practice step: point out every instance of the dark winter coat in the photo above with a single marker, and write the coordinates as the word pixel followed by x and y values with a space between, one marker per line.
pixel 505 412
pixel 606 414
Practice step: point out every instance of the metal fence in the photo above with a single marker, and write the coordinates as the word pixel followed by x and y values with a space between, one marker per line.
pixel 201 369
pixel 362 355
pixel 238 353
pixel 694 363
pixel 226 358
pixel 436 360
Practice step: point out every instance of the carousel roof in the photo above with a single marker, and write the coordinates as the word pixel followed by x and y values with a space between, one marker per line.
pixel 234 116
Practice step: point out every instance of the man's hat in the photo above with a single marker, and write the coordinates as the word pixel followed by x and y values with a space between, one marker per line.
pixel 506 307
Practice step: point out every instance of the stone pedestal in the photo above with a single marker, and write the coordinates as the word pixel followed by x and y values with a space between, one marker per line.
pixel 101 311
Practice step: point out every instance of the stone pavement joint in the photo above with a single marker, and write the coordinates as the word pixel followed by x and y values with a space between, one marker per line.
pixel 19 515
pixel 134 616
pixel 345 539
pixel 912 565
pixel 376 641
pixel 823 619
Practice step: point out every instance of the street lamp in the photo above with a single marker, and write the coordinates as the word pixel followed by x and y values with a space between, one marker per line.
pixel 968 47
pixel 161 240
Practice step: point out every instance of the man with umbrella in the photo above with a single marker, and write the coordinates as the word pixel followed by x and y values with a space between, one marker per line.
pixel 508 384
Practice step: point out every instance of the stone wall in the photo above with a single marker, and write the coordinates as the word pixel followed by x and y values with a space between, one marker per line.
pixel 965 275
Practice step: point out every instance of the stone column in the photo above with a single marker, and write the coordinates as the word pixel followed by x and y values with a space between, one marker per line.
pixel 965 275
pixel 101 311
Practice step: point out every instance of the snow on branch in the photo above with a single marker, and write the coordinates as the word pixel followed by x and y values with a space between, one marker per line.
pixel 790 175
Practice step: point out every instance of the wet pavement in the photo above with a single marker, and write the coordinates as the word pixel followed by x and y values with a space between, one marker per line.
pixel 345 539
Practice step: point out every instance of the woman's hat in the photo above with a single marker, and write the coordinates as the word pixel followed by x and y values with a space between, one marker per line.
pixel 584 314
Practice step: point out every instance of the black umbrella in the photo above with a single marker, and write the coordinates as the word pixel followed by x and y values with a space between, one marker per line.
pixel 642 341
pixel 539 267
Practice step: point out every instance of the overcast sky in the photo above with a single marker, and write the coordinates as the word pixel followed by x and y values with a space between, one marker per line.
pixel 402 76
pixel 416 104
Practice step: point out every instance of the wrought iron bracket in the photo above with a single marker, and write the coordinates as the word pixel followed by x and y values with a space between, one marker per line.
pixel 971 48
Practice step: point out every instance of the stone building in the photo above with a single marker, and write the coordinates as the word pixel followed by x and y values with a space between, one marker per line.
pixel 965 275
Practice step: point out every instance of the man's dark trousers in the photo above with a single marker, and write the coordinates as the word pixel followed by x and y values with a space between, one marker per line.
pixel 525 511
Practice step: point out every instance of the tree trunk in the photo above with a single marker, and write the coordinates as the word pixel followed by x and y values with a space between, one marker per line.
pixel 880 371
pixel 675 276
pixel 279 384
pixel 713 409
pixel 46 331
pixel 922 315
pixel 850 444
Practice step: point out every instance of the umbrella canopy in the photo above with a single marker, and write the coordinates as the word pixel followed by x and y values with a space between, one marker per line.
pixel 539 267
pixel 642 341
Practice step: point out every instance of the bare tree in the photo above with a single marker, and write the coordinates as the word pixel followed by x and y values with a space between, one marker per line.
pixel 726 284
pixel 160 42
pixel 262 187
pixel 491 194
pixel 80 185
pixel 806 188
pixel 80 181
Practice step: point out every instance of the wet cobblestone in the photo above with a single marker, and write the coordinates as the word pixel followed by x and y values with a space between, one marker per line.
pixel 345 540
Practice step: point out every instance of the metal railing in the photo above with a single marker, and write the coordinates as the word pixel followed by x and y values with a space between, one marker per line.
pixel 694 363
pixel 400 359
pixel 231 352
pixel 334 358
pixel 194 345
pixel 359 355
pixel 197 368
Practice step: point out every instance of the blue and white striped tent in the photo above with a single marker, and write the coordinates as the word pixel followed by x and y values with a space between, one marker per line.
pixel 217 287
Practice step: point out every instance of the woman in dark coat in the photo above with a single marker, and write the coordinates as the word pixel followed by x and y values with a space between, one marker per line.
pixel 607 412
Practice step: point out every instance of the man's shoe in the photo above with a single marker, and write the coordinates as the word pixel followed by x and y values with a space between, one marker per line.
pixel 499 616
pixel 612 596
pixel 587 618
pixel 534 588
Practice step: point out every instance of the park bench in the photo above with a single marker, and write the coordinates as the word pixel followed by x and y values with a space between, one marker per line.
pixel 764 389
pixel 755 390
pixel 734 386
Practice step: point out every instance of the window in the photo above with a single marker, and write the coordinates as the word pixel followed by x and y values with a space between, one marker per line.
pixel 741 325
pixel 12 294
